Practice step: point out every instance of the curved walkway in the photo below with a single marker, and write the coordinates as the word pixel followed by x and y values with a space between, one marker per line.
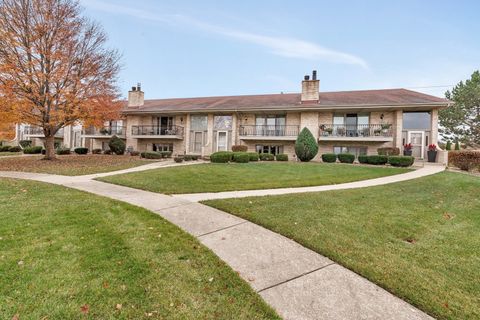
pixel 422 172
pixel 297 282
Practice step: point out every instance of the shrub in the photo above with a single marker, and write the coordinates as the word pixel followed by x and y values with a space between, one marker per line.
pixel 97 151
pixel 253 156
pixel 448 146
pixel 401 161
pixel 195 157
pixel 117 145
pixel 178 159
pixel 134 153
pixel 465 159
pixel 306 146
pixel 151 155
pixel 18 149
pixel 63 151
pixel 377 160
pixel 166 154
pixel 281 157
pixel 221 157
pixel 107 151
pixel 239 148
pixel 241 157
pixel 346 157
pixel 32 150
pixel 329 157
pixel 457 145
pixel 266 157
pixel 4 148
pixel 363 158
pixel 388 151
pixel 25 143
pixel 81 150
pixel 187 157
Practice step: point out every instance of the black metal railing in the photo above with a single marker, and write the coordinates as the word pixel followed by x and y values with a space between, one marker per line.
pixel 359 130
pixel 157 131
pixel 105 131
pixel 269 131
pixel 37 131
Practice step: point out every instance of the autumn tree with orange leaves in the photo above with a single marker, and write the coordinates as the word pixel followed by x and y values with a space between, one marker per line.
pixel 55 69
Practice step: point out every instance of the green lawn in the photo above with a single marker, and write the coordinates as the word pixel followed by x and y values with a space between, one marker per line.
pixel 418 239
pixel 65 254
pixel 249 176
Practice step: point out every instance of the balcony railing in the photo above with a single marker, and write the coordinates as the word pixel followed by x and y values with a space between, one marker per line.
pixel 37 131
pixel 269 131
pixel 355 131
pixel 105 131
pixel 157 131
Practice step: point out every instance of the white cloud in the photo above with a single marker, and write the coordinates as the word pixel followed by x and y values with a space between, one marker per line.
pixel 286 47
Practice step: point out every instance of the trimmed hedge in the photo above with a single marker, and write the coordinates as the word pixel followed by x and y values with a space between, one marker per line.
pixel 107 151
pixel 266 157
pixel 63 151
pixel 465 160
pixel 5 148
pixel 151 155
pixel 253 156
pixel 187 157
pixel 81 150
pixel 117 145
pixel 17 149
pixel 363 158
pixel 25 143
pixel 306 146
pixel 221 157
pixel 239 148
pixel 346 157
pixel 377 160
pixel 134 153
pixel 281 157
pixel 32 150
pixel 97 151
pixel 329 157
pixel 388 151
pixel 166 154
pixel 401 161
pixel 241 157
pixel 178 159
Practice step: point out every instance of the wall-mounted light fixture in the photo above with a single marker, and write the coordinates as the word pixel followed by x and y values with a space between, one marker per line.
pixel 382 116
pixel 181 120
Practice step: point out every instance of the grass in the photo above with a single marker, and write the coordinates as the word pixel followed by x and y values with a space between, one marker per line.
pixel 6 154
pixel 418 239
pixel 66 254
pixel 71 165
pixel 249 176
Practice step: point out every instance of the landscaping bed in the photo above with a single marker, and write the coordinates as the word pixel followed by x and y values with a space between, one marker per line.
pixel 217 177
pixel 419 239
pixel 66 254
pixel 71 165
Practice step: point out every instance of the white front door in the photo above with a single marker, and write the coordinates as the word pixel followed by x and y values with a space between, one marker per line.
pixel 222 141
pixel 417 139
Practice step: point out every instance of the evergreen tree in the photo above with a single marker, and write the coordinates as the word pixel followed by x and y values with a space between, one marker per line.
pixel 306 146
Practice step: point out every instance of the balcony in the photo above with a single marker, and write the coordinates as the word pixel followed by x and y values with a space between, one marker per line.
pixel 104 132
pixel 37 132
pixel 265 132
pixel 361 132
pixel 162 132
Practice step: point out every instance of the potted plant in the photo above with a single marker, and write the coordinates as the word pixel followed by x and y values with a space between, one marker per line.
pixel 407 149
pixel 377 132
pixel 386 127
pixel 329 131
pixel 432 153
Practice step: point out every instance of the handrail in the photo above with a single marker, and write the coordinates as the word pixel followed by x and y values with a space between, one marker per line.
pixel 359 130
pixel 149 130
pixel 269 131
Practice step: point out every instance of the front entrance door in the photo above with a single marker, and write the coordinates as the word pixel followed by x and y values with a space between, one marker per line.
pixel 222 141
pixel 417 139
pixel 164 125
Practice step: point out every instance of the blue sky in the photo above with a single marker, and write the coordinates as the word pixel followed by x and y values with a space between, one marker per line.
pixel 205 48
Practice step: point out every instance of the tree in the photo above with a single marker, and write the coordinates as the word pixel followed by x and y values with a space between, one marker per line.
pixel 117 145
pixel 306 147
pixel 462 120
pixel 54 68
pixel 448 146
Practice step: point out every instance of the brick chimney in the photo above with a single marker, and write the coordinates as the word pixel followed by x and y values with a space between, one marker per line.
pixel 310 89
pixel 136 96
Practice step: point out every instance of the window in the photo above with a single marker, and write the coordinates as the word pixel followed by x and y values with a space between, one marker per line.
pixel 270 125
pixel 198 123
pixel 163 147
pixel 417 120
pixel 164 125
pixel 269 149
pixel 357 151
pixel 222 123
pixel 351 124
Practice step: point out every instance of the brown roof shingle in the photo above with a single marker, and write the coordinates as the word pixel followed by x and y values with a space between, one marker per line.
pixel 387 97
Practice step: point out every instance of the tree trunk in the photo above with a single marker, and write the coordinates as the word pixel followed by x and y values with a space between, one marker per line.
pixel 49 148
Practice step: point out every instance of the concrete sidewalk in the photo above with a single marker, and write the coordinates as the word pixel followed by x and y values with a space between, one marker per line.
pixel 422 172
pixel 297 282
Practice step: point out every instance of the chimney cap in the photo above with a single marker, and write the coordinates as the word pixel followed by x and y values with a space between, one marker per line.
pixel 314 75
pixel 139 86
pixel 134 88
pixel 307 77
